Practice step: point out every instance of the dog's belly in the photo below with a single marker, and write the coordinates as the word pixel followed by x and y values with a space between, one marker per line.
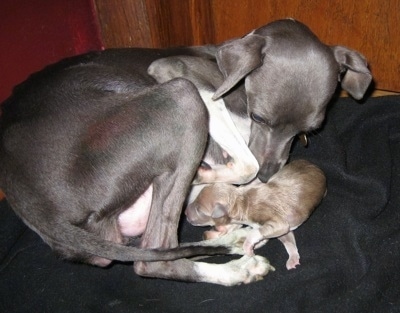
pixel 133 221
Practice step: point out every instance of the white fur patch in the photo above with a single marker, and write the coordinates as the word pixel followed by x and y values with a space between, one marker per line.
pixel 243 125
pixel 224 131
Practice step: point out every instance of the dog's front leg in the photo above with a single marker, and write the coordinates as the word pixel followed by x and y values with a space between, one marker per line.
pixel 205 75
pixel 244 166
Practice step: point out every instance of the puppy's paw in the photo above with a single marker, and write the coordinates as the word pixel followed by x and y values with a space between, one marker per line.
pixel 211 234
pixel 293 261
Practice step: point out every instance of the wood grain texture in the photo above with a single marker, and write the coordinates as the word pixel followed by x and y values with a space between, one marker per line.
pixel 125 24
pixel 368 26
pixel 170 22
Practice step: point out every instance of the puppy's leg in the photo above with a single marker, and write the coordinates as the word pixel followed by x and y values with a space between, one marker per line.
pixel 276 226
pixel 289 242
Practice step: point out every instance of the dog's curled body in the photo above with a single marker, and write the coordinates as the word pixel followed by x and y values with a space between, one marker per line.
pixel 86 142
pixel 84 139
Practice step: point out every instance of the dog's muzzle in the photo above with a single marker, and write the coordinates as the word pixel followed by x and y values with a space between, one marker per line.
pixel 267 170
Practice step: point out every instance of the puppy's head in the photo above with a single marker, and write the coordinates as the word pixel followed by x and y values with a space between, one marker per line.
pixel 289 76
pixel 211 206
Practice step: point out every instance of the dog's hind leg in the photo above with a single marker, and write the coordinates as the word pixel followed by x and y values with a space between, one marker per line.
pixel 245 270
pixel 289 242
pixel 241 271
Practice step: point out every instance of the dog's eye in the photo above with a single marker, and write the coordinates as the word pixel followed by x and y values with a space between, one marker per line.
pixel 258 119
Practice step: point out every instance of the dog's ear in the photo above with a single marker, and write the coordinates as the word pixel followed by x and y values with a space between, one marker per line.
pixel 237 58
pixel 220 214
pixel 357 76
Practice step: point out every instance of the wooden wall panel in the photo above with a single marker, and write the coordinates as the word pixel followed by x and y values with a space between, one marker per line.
pixel 369 26
pixel 125 24
pixel 170 21
pixel 155 23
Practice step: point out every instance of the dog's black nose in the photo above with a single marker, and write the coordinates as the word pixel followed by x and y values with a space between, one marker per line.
pixel 267 170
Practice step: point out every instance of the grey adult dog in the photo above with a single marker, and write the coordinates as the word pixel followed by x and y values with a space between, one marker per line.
pixel 94 150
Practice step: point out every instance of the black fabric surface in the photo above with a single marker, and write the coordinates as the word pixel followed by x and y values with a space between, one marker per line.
pixel 349 248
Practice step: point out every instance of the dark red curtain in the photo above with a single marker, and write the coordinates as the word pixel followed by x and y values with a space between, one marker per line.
pixel 34 33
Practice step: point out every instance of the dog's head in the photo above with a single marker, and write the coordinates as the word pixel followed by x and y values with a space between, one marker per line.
pixel 211 206
pixel 289 77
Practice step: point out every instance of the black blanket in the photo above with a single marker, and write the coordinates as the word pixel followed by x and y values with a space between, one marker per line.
pixel 349 248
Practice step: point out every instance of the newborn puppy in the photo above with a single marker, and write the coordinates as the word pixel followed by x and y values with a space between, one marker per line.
pixel 273 209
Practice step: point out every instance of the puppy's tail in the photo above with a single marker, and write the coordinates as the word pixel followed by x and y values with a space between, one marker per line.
pixel 76 243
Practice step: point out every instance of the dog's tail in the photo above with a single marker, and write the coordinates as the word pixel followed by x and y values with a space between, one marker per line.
pixel 75 241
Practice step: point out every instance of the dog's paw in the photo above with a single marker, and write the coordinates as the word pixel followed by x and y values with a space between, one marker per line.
pixel 242 271
pixel 248 269
pixel 231 173
pixel 254 268
pixel 205 174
